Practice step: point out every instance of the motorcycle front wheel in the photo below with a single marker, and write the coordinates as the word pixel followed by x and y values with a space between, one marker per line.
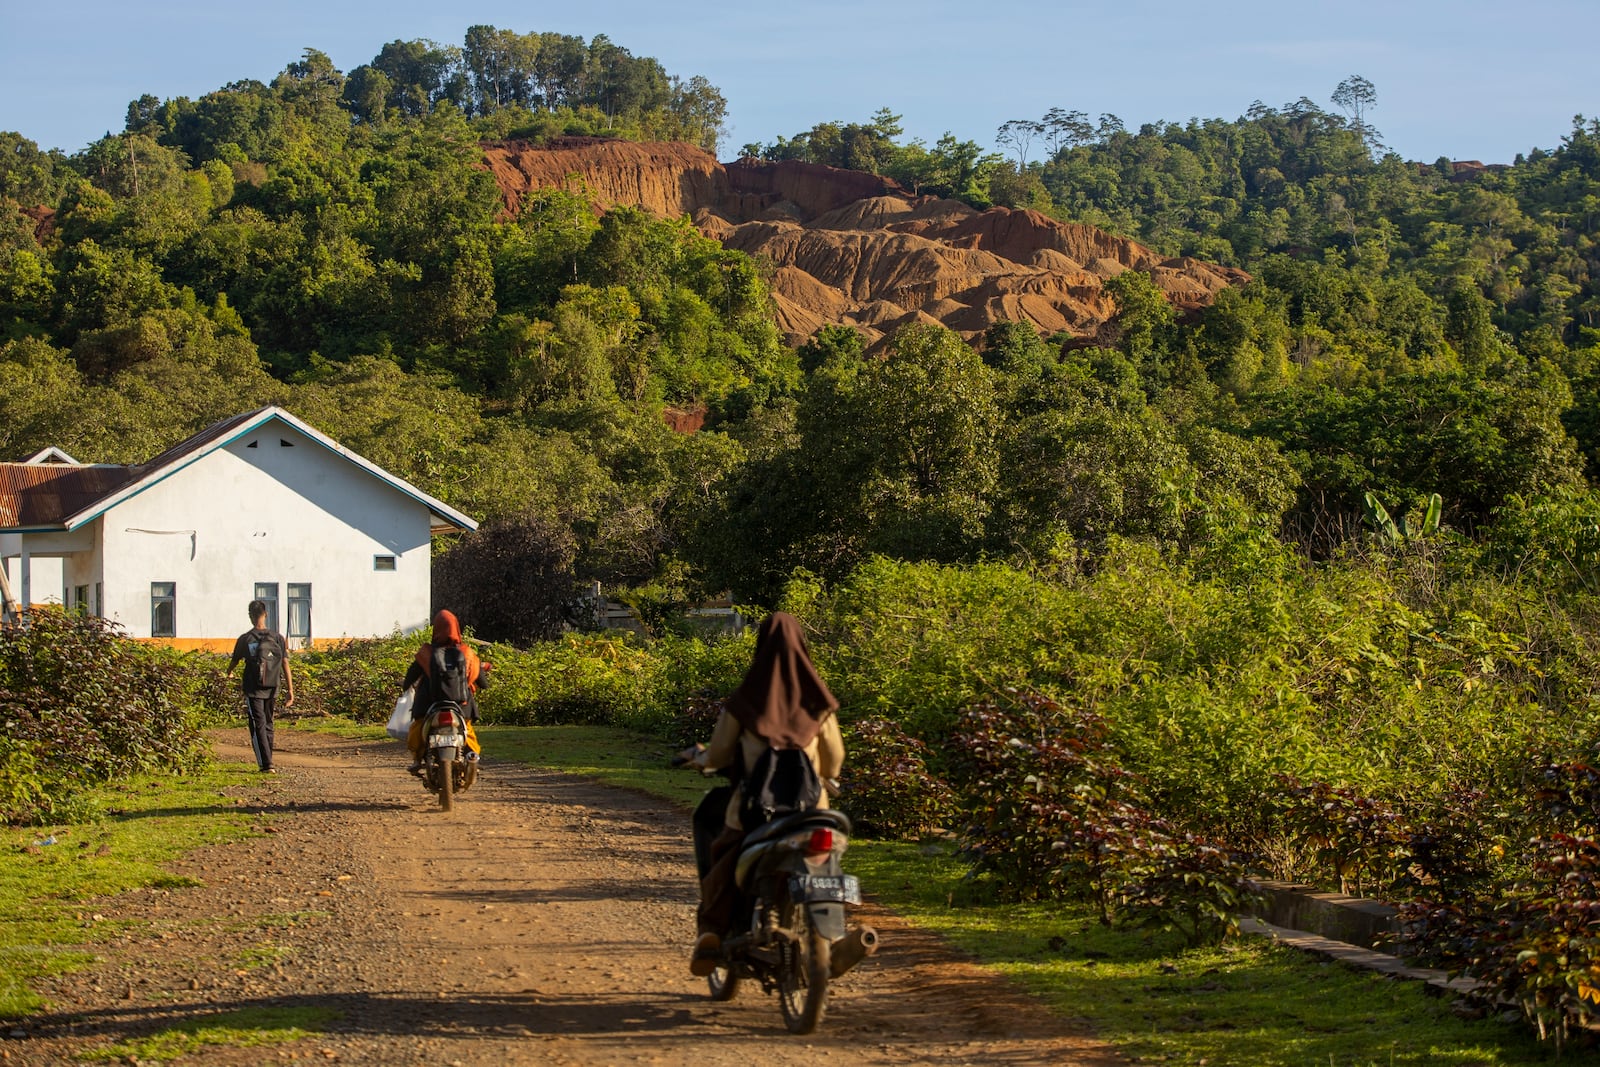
pixel 724 983
pixel 803 973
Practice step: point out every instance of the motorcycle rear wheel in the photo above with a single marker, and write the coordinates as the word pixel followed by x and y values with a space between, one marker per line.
pixel 803 974
pixel 447 781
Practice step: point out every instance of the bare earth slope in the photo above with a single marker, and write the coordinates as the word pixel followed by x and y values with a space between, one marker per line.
pixel 544 921
pixel 858 249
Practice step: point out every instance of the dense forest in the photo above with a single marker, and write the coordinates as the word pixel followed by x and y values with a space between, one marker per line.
pixel 1330 545
pixel 330 242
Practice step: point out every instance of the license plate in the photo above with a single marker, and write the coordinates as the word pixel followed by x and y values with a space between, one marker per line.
pixel 442 741
pixel 839 888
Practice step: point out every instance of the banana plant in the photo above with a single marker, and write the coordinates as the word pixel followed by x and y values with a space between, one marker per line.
pixel 1408 530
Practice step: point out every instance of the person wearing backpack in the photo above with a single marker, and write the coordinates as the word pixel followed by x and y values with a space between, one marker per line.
pixel 265 656
pixel 445 668
pixel 779 737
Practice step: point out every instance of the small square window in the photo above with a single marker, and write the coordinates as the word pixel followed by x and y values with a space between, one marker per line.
pixel 383 563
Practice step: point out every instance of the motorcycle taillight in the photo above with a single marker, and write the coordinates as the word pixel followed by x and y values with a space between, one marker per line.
pixel 447 718
pixel 821 841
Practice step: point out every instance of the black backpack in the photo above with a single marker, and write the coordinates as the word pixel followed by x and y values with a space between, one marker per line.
pixel 781 782
pixel 447 674
pixel 264 656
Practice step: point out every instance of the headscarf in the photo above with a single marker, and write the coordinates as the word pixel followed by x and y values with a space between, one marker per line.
pixel 782 699
pixel 447 631
pixel 446 628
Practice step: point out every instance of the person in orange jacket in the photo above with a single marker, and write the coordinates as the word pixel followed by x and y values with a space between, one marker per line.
pixel 446 635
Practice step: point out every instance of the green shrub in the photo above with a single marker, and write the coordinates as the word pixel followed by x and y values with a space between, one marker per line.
pixel 1053 815
pixel 357 679
pixel 914 643
pixel 887 788
pixel 80 705
pixel 614 678
pixel 202 685
pixel 1533 942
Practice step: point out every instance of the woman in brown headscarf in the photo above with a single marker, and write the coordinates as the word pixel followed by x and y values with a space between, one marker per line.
pixel 782 703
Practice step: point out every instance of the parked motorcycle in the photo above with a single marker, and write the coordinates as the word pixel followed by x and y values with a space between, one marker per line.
pixel 789 931
pixel 448 765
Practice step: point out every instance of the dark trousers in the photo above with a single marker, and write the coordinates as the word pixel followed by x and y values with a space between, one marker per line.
pixel 258 710
pixel 717 889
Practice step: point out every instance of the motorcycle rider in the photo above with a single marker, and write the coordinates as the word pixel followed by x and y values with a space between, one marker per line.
pixel 781 703
pixel 446 632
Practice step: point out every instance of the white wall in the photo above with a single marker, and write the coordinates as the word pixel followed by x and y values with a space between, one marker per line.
pixel 45 578
pixel 242 515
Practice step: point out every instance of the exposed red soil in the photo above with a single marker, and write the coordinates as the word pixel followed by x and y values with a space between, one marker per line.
pixel 859 250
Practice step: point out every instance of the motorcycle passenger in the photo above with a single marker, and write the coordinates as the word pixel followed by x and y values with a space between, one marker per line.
pixel 782 703
pixel 446 634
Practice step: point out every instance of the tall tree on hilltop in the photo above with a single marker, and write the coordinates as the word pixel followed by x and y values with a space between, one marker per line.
pixel 1357 96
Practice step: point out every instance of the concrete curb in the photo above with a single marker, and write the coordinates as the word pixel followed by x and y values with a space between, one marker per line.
pixel 1357 956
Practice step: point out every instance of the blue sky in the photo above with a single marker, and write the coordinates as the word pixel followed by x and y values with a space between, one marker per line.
pixel 1468 79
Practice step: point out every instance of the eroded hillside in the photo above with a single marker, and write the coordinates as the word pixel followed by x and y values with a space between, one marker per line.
pixel 860 250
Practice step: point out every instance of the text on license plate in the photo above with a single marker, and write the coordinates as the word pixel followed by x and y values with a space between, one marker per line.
pixel 839 887
pixel 442 740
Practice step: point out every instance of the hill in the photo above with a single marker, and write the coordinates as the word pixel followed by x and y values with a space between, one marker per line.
pixel 858 249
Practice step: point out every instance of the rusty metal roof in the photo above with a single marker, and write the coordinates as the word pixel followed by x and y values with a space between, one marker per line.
pixel 54 494
pixel 215 432
pixel 44 494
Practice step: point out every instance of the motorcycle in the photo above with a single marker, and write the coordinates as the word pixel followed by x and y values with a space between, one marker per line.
pixel 789 931
pixel 449 766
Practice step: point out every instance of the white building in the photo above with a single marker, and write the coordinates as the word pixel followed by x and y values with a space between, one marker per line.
pixel 256 507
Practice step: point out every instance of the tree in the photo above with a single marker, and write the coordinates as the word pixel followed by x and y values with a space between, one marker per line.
pixel 1142 324
pixel 1018 134
pixel 27 175
pixel 699 111
pixel 1356 95
pixel 511 580
pixel 366 94
pixel 420 73
pixel 501 64
pixel 1066 129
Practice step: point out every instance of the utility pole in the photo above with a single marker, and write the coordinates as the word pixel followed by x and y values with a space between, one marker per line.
pixel 8 603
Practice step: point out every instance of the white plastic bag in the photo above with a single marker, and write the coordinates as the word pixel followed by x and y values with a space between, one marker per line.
pixel 399 726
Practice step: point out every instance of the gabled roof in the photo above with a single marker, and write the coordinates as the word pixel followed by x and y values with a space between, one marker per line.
pixel 51 455
pixel 60 496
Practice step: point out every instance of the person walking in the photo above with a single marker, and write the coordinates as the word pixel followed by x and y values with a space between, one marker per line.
pixel 265 656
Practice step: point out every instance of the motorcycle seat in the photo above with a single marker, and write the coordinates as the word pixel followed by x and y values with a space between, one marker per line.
pixel 819 817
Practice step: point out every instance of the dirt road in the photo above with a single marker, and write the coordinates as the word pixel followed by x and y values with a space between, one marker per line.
pixel 545 921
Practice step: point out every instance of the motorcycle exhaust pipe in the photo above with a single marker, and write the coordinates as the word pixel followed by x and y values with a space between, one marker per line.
pixel 856 945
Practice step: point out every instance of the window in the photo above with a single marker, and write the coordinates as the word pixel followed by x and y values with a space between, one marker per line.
pixel 383 563
pixel 99 599
pixel 80 599
pixel 163 609
pixel 299 614
pixel 267 593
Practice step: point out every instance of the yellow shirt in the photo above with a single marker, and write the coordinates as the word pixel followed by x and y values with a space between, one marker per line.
pixel 729 740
